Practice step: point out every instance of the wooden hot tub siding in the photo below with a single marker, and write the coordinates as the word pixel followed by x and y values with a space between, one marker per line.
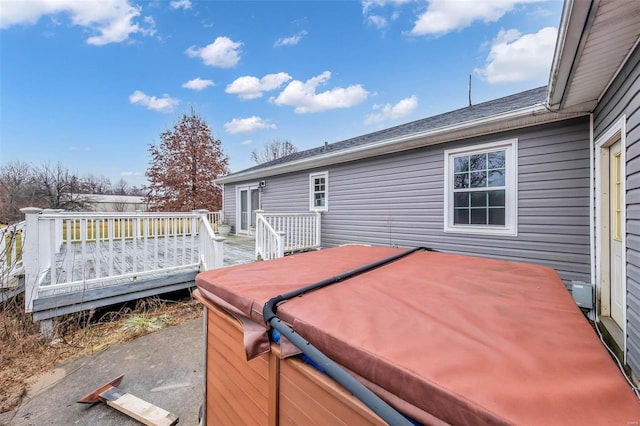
pixel 267 390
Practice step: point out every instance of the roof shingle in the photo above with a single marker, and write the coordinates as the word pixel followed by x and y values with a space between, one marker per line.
pixel 475 112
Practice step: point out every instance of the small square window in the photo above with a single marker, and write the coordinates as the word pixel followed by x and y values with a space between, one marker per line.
pixel 318 191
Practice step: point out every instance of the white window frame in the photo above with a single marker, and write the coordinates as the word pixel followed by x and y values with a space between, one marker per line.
pixel 312 177
pixel 510 227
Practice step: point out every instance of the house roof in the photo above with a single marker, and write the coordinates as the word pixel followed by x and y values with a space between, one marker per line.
pixel 518 110
pixel 594 41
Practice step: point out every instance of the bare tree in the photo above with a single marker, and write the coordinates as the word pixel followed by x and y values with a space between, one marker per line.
pixel 59 188
pixel 137 190
pixel 272 151
pixel 120 205
pixel 183 167
pixel 94 184
pixel 17 190
pixel 121 187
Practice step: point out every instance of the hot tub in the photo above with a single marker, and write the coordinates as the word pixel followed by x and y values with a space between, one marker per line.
pixel 439 338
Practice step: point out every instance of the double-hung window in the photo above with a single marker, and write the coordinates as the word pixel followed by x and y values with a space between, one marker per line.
pixel 481 189
pixel 319 191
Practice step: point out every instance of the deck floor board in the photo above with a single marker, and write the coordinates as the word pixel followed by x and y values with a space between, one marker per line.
pixel 78 263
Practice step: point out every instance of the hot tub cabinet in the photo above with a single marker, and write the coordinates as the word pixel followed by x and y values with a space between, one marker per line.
pixel 267 390
pixel 441 338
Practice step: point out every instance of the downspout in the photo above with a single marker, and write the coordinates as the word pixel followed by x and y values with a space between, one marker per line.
pixel 370 399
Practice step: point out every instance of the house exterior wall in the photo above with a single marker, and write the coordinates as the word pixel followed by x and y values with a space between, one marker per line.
pixel 622 98
pixel 229 205
pixel 398 200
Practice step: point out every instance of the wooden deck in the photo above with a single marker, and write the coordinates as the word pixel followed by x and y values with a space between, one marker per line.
pixel 96 276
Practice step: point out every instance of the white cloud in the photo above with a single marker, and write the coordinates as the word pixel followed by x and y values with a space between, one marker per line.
pixel 177 4
pixel 249 87
pixel 247 125
pixel 198 84
pixel 247 142
pixel 110 21
pixel 377 21
pixel 303 96
pixel 130 174
pixel 443 16
pixel 223 53
pixel 391 112
pixel 290 41
pixel 367 5
pixel 163 104
pixel 515 57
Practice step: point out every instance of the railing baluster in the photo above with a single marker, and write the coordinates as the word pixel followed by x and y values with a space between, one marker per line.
pixel 110 239
pixel 184 240
pixel 165 258
pixel 83 246
pixel 52 252
pixel 124 268
pixel 98 225
pixel 175 242
pixel 145 222
pixel 134 241
pixel 155 245
pixel 193 223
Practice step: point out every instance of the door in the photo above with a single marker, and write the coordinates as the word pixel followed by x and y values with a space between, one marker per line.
pixel 248 202
pixel 244 210
pixel 616 227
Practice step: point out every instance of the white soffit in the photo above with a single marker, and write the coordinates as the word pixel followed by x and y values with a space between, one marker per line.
pixel 612 35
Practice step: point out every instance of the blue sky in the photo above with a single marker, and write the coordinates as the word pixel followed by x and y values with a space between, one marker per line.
pixel 93 83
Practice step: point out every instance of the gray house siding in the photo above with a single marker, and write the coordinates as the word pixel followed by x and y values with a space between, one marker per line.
pixel 398 199
pixel 623 97
pixel 229 205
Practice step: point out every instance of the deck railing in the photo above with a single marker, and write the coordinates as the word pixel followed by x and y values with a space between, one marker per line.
pixel 215 218
pixel 269 242
pixel 298 231
pixel 11 259
pixel 113 245
pixel 211 247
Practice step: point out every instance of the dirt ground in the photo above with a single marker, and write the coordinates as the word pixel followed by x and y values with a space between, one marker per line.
pixel 25 353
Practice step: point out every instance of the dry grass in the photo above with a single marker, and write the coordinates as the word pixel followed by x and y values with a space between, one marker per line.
pixel 24 353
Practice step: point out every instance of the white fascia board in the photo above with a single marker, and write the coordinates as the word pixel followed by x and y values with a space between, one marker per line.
pixel 573 25
pixel 528 116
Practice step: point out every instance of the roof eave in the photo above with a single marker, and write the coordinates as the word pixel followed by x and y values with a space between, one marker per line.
pixel 577 17
pixel 528 116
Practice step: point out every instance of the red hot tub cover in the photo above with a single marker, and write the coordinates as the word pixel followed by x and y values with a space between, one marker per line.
pixel 461 339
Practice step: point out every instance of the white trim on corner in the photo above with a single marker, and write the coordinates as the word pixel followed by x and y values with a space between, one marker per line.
pixel 312 176
pixel 604 141
pixel 592 206
pixel 511 189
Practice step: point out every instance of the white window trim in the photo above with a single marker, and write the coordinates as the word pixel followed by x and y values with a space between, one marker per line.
pixel 511 189
pixel 312 176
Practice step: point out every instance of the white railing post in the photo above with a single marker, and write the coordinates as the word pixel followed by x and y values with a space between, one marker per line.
pixel 318 222
pixel 260 234
pixel 46 243
pixel 58 233
pixel 211 246
pixel 218 244
pixel 280 243
pixel 30 254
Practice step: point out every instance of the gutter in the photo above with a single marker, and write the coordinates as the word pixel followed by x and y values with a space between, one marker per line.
pixel 400 143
